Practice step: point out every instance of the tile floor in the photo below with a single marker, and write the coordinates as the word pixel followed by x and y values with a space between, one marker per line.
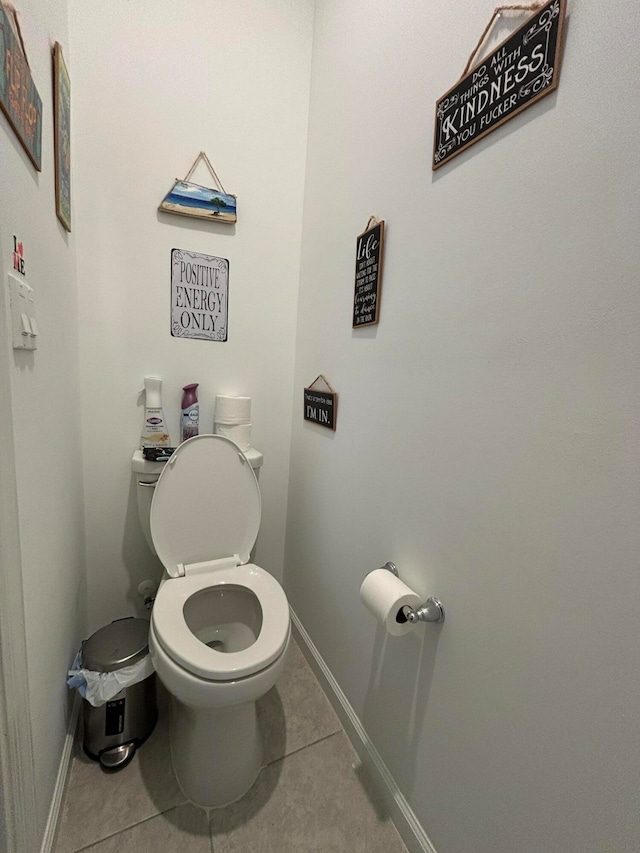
pixel 312 795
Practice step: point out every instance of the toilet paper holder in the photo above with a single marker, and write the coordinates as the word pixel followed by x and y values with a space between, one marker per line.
pixel 431 611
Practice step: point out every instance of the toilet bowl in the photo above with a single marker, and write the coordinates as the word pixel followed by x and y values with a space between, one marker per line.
pixel 220 624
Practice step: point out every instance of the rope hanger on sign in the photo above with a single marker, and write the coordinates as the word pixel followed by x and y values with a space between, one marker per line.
pixel 497 12
pixel 318 378
pixel 203 156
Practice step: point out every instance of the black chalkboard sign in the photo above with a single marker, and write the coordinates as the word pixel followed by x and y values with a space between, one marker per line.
pixel 366 297
pixel 525 68
pixel 320 407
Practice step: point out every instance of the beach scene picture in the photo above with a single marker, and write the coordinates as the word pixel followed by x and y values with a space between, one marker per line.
pixel 190 199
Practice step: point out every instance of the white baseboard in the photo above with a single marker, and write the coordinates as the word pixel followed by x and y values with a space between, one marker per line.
pixel 61 781
pixel 407 824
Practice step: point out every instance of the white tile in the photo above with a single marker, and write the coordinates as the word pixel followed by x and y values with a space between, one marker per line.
pixel 296 712
pixel 181 830
pixel 98 804
pixel 311 801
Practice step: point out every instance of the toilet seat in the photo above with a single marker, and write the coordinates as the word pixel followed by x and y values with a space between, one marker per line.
pixel 177 639
pixel 205 518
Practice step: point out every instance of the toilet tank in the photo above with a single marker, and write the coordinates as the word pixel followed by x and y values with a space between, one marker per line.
pixel 146 475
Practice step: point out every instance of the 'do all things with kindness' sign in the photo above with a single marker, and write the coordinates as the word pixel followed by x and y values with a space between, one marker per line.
pixel 523 69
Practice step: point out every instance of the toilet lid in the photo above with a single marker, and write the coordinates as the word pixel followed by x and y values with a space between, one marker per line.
pixel 206 505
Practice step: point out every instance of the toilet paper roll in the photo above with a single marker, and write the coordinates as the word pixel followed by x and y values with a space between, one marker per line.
pixel 385 595
pixel 232 410
pixel 240 433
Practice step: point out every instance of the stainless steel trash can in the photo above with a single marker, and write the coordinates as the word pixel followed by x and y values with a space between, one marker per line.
pixel 113 731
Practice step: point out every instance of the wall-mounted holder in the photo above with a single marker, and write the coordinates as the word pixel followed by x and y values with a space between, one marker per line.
pixel 431 611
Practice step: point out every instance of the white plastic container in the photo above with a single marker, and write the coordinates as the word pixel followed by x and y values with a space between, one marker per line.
pixel 154 429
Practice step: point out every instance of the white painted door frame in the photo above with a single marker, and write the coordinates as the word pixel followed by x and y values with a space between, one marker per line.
pixel 18 826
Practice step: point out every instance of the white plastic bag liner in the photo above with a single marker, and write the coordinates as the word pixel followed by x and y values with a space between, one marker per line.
pixel 99 687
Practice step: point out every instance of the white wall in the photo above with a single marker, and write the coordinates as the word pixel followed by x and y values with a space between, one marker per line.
pixel 154 83
pixel 487 427
pixel 44 390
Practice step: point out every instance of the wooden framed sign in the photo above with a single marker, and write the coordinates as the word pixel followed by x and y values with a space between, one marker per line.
pixel 366 297
pixel 19 98
pixel 188 199
pixel 523 69
pixel 199 296
pixel 62 136
pixel 320 406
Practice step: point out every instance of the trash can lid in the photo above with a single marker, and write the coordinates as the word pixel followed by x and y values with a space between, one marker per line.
pixel 122 643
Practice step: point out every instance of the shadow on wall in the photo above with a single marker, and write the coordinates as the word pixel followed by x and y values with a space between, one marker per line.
pixel 398 692
pixel 140 563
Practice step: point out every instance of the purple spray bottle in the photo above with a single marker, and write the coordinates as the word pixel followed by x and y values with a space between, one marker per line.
pixel 190 418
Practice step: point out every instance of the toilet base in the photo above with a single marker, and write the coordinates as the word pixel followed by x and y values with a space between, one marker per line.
pixel 216 753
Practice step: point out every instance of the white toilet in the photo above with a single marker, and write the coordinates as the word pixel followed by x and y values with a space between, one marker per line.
pixel 220 625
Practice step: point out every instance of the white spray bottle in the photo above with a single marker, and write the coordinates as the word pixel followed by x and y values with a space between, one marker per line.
pixel 154 430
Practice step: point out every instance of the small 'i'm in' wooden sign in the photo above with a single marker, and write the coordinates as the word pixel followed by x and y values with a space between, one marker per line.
pixel 320 406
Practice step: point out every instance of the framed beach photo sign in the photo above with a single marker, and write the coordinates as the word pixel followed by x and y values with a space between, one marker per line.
pixel 62 136
pixel 189 199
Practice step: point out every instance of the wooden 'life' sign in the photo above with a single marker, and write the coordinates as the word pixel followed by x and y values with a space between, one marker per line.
pixel 366 297
pixel 19 98
pixel 525 68
pixel 320 406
